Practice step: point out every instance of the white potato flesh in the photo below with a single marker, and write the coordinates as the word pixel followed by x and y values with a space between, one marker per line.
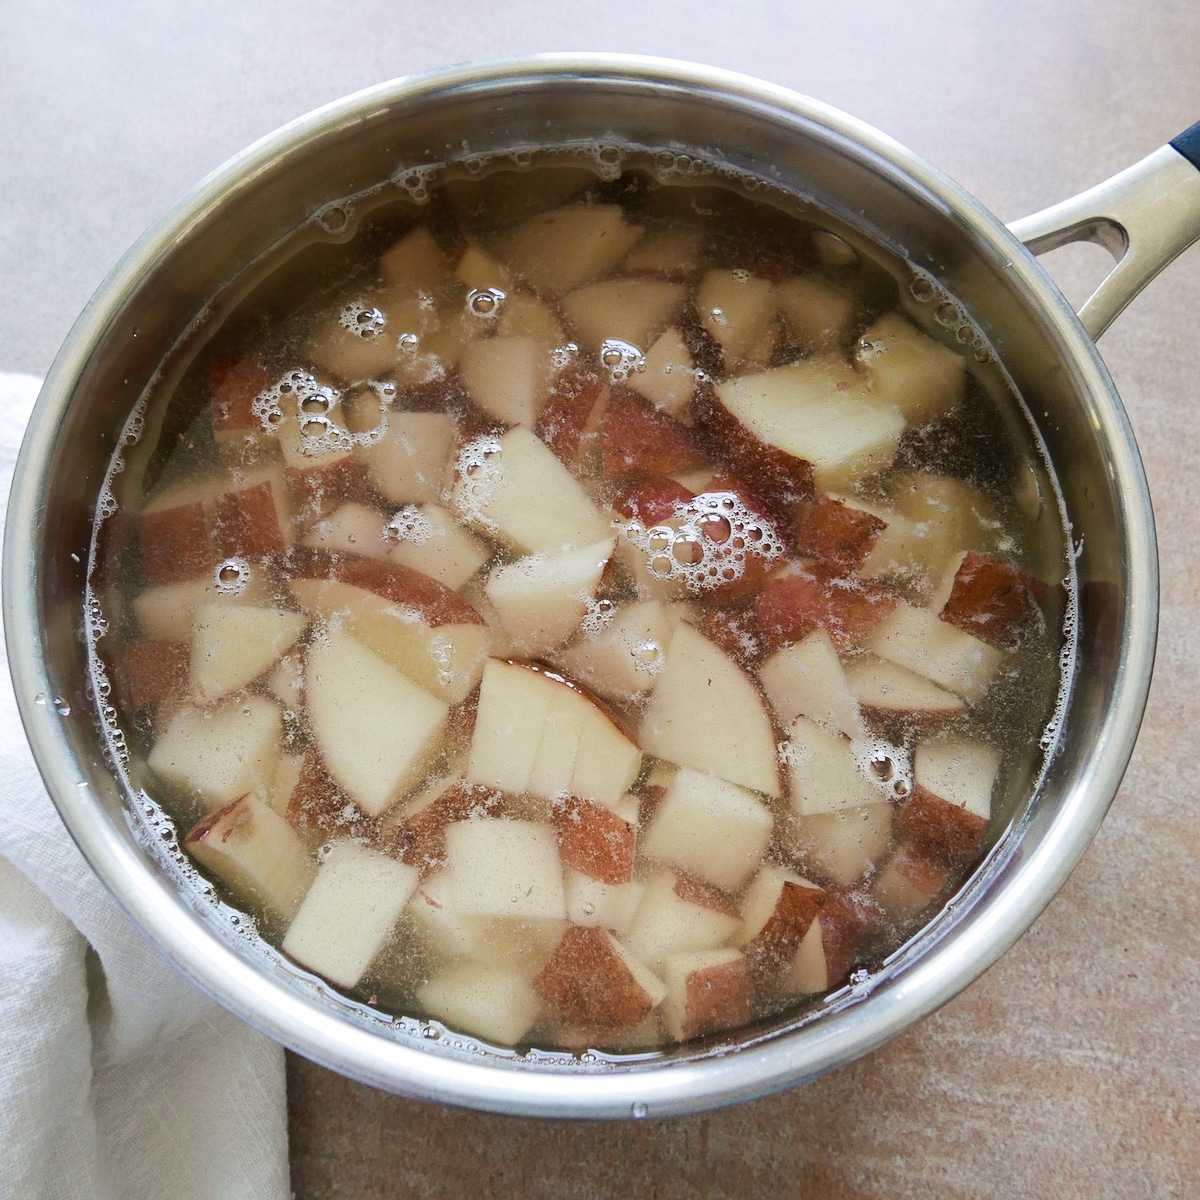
pixel 542 599
pixel 666 924
pixel 809 973
pixel 505 868
pixel 507 377
pixel 629 310
pixel 411 463
pixel 806 679
pixel 712 829
pixel 168 612
pixel 886 687
pixel 233 645
pixel 445 660
pixel 845 845
pixel 739 311
pixel 591 902
pixel 819 410
pixel 705 712
pixel 668 378
pixel 819 313
pixel 478 270
pixel 528 498
pixel 349 912
pixel 256 854
pixel 351 528
pixel 416 261
pixel 219 753
pixel 566 247
pixel 375 728
pixel 825 775
pixel 959 771
pixel 497 1004
pixel 916 639
pixel 622 660
pixel 907 368
pixel 428 539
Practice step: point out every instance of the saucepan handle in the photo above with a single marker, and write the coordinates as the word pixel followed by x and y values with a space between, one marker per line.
pixel 1145 217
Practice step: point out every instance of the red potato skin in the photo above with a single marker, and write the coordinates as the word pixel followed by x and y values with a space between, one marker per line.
pixel 636 436
pixel 924 870
pixel 420 840
pixel 321 488
pixel 594 840
pixel 648 802
pixel 948 833
pixel 845 922
pixel 704 895
pixel 995 602
pixel 736 630
pixel 767 469
pixel 319 808
pixel 221 824
pixel 791 606
pixel 153 670
pixel 716 999
pixel 775 945
pixel 585 982
pixel 246 522
pixel 568 412
pixel 236 380
pixel 176 544
pixel 651 499
pixel 836 536
pixel 436 603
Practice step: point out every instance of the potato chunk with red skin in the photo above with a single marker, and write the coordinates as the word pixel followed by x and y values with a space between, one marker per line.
pixel 594 840
pixel 777 910
pixel 635 436
pixel 153 670
pixel 994 602
pixel 417 834
pixel 176 543
pixel 593 981
pixel 708 992
pixel 910 881
pixel 838 536
pixel 950 833
pixel 236 381
pixel 791 605
pixel 651 499
pixel 568 413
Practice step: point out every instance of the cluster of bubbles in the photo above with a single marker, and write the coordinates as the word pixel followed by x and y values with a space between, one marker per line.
pixel 597 616
pixel 415 181
pixel 707 542
pixel 478 470
pixel 312 402
pixel 362 319
pixel 408 524
pixel 621 359
pixel 925 289
pixel 888 767
pixel 669 167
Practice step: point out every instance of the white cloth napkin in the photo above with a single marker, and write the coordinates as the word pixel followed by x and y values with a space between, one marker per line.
pixel 118 1079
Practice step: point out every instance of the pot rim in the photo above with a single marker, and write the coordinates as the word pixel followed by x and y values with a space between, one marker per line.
pixel 662 1087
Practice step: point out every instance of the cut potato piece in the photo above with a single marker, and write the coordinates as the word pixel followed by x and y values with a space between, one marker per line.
pixel 233 645
pixel 910 881
pixel 417 262
pixel 907 368
pixel 220 753
pixel 350 354
pixel 708 991
pixel 885 690
pixel 623 659
pixel 566 247
pixel 710 828
pixel 428 539
pixel 821 315
pixel 825 776
pixel 960 772
pixel 411 463
pixel 478 270
pixel 349 912
pixel 542 599
pixel 535 732
pixel 151 671
pixel 668 377
pixel 738 310
pixel 527 316
pixel 375 728
pixel 629 310
pixel 167 613
pixel 507 378
pixel 705 712
pixel 678 914
pixel 519 490
pixel 808 973
pixel 352 528
pixel 504 868
pixel 591 980
pixel 667 251
pixel 821 411
pixel 845 845
pixel 591 902
pixel 915 638
pixel 596 841
pixel 805 679
pixel 256 854
pixel 494 1003
pixel 778 910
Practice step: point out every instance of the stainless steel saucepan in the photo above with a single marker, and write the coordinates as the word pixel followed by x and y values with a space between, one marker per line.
pixel 1146 216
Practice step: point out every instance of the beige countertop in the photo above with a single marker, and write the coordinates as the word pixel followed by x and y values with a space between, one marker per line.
pixel 1072 1068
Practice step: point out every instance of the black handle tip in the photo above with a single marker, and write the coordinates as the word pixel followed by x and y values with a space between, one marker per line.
pixel 1188 144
